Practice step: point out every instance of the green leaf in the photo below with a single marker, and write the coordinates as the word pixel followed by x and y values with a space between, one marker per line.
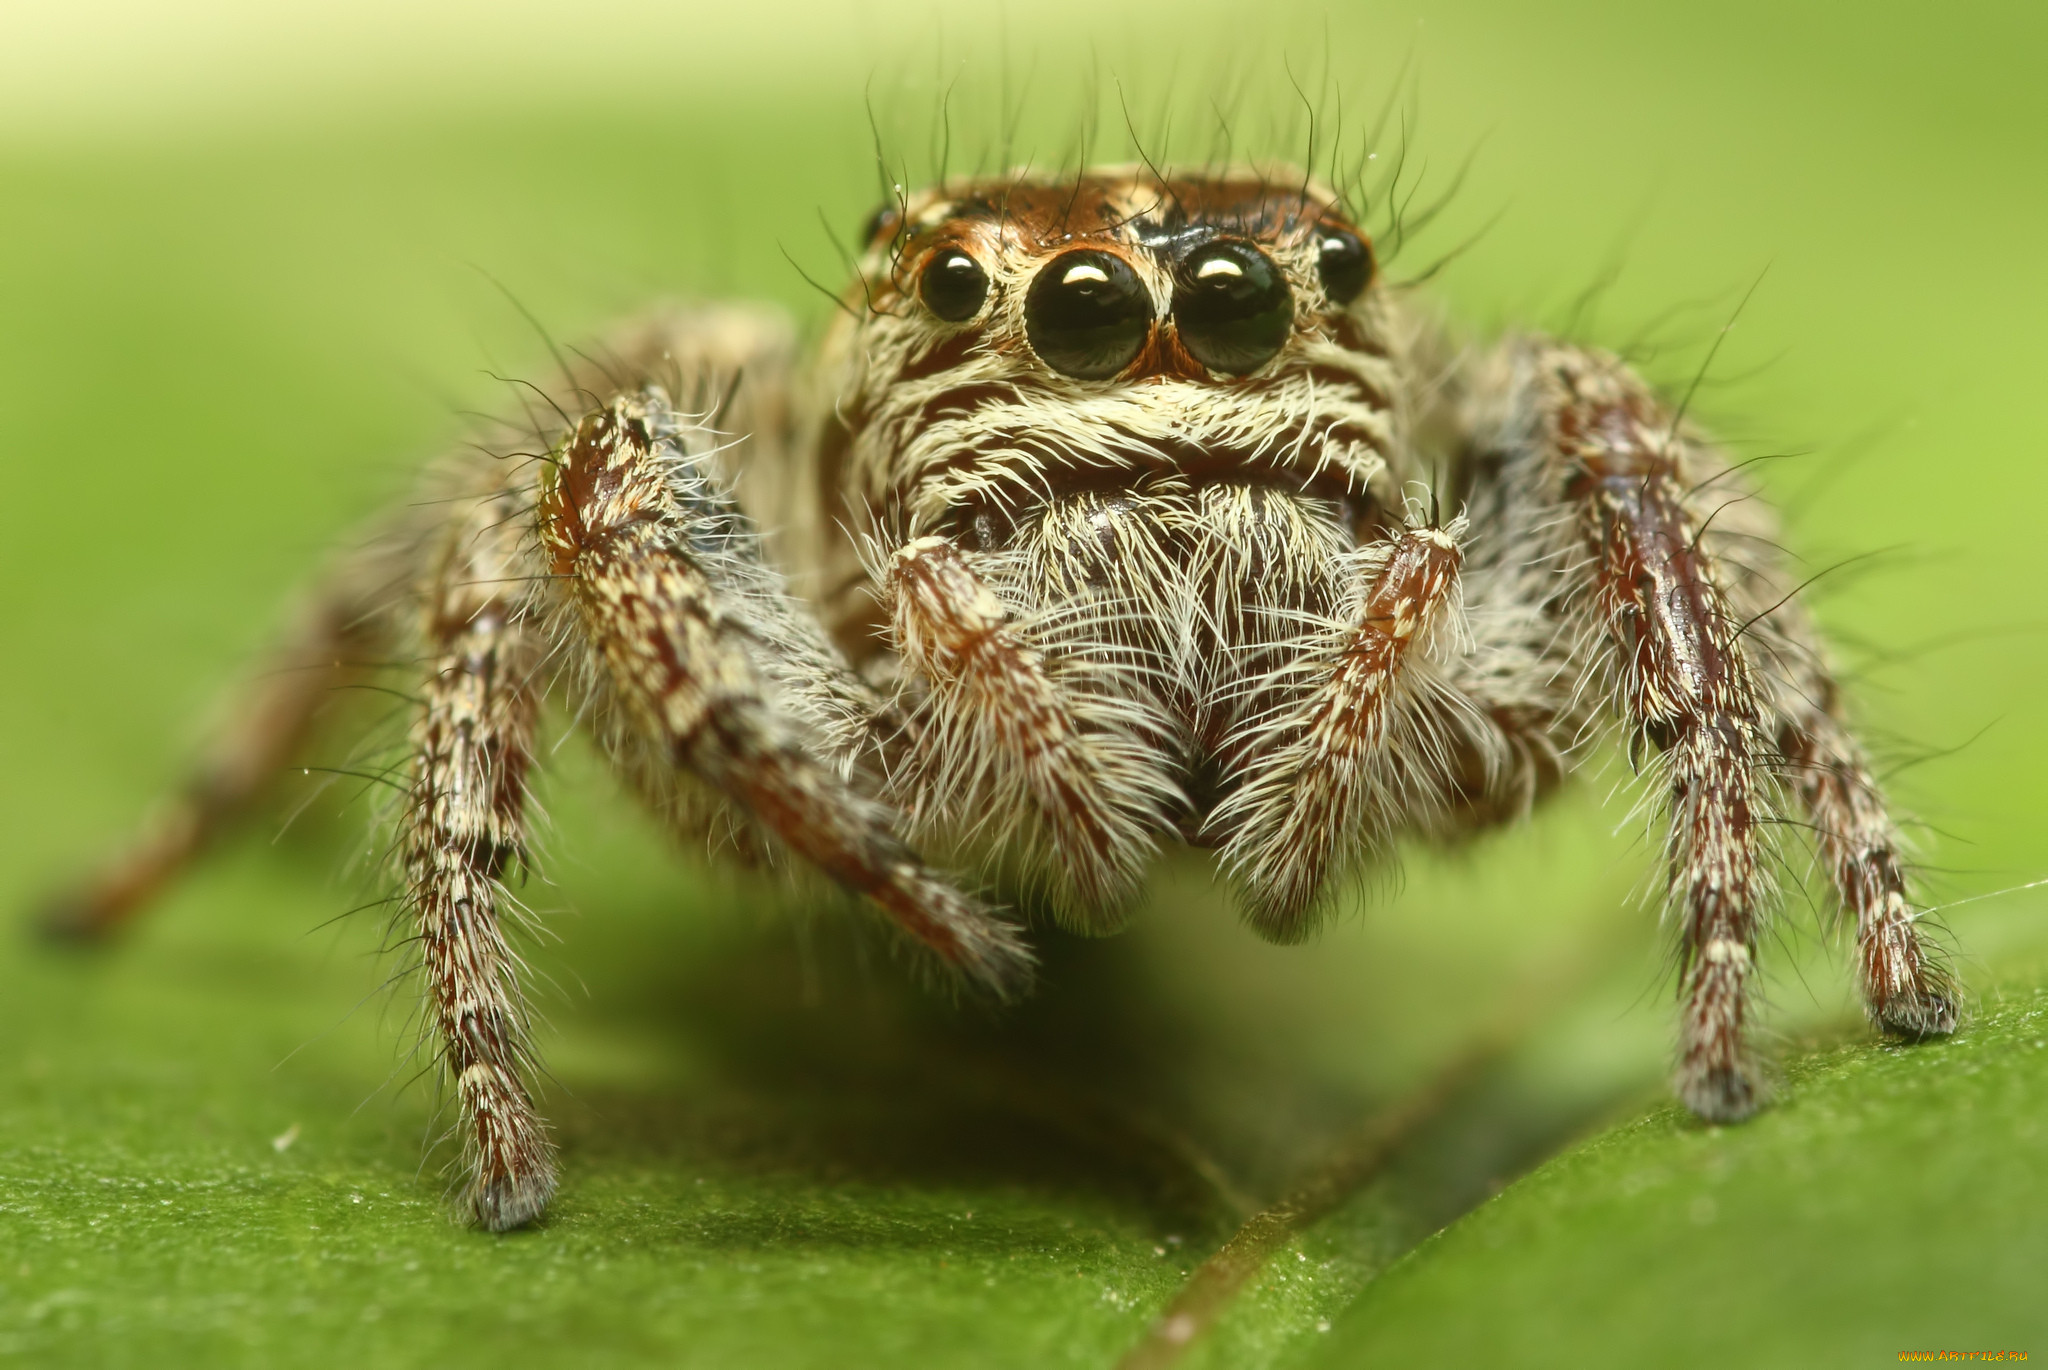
pixel 1891 1201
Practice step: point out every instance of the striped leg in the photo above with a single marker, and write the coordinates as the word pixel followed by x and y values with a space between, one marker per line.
pixel 1323 784
pixel 1905 992
pixel 1097 792
pixel 706 658
pixel 462 831
pixel 1678 670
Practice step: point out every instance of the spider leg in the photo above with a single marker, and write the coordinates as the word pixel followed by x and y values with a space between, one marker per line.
pixel 463 828
pixel 1906 992
pixel 700 650
pixel 994 695
pixel 1669 645
pixel 1327 779
pixel 336 638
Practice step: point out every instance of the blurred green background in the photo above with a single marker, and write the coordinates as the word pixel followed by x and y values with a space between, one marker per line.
pixel 247 266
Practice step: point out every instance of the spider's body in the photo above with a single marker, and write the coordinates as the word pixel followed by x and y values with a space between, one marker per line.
pixel 1118 510
pixel 1164 536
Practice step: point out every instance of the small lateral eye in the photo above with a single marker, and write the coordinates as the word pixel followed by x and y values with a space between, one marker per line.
pixel 1232 307
pixel 1346 265
pixel 953 285
pixel 1087 315
pixel 883 217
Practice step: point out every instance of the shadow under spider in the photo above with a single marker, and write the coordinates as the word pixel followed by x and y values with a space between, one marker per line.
pixel 822 1059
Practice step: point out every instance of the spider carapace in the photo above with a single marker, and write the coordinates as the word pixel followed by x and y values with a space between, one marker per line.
pixel 1117 510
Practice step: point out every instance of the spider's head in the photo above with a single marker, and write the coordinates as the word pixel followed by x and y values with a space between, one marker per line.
pixel 1007 334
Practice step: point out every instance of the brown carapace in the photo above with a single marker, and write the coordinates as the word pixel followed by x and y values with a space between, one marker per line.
pixel 1116 511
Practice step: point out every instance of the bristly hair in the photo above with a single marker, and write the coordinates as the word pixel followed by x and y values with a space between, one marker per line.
pixel 1019 121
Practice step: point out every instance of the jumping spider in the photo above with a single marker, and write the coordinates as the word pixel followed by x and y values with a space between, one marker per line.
pixel 1108 516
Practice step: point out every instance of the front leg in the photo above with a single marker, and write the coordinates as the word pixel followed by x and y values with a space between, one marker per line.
pixel 1324 786
pixel 694 643
pixel 1003 731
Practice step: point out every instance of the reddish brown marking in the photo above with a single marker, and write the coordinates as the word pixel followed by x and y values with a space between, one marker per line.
pixel 591 478
pixel 684 666
pixel 1903 992
pixel 1400 604
pixel 955 632
pixel 1313 797
pixel 1053 214
pixel 1686 689
pixel 790 809
pixel 1164 357
pixel 961 402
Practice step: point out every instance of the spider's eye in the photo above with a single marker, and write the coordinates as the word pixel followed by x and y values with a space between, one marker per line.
pixel 953 285
pixel 883 217
pixel 1233 307
pixel 1087 314
pixel 1346 265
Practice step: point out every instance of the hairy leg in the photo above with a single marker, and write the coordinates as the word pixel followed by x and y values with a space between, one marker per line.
pixel 1642 600
pixel 1684 682
pixel 1325 783
pixel 1905 991
pixel 696 645
pixel 998 715
pixel 462 830
pixel 735 365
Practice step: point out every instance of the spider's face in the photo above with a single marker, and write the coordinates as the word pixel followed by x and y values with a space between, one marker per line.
pixel 1020 336
pixel 1120 277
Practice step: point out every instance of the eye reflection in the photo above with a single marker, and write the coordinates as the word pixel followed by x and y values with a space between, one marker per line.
pixel 1345 265
pixel 1087 314
pixel 953 285
pixel 1232 306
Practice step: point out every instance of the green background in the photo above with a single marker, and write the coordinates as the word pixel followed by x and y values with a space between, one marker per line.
pixel 246 284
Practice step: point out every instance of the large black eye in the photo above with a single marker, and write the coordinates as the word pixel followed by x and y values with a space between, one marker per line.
pixel 1233 307
pixel 953 285
pixel 1346 265
pixel 1087 314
